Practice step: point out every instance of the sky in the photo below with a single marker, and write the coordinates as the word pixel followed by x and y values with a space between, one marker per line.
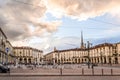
pixel 45 24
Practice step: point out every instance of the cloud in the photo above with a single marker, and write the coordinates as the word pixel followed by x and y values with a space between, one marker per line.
pixel 18 16
pixel 22 19
pixel 82 9
pixel 48 43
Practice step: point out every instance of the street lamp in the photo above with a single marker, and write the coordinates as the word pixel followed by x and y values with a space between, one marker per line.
pixel 88 48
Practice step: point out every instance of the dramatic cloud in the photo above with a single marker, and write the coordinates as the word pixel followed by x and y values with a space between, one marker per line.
pixel 21 19
pixel 82 9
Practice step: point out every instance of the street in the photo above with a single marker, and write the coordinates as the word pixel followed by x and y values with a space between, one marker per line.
pixel 62 78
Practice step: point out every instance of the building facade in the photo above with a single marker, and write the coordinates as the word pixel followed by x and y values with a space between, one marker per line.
pixel 9 50
pixel 28 55
pixel 105 53
pixel 6 49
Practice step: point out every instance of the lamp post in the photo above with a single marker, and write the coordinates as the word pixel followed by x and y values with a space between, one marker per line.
pixel 88 48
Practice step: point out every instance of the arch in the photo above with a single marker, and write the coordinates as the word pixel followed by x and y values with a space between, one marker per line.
pixel 55 60
pixel 95 60
pixel 25 60
pixel 82 60
pixel 98 61
pixel 29 61
pixel 79 60
pixel 20 60
pixel 109 60
pixel 116 60
pixel 104 60
pixel 75 60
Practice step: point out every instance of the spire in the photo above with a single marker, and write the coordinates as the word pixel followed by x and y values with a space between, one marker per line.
pixel 82 42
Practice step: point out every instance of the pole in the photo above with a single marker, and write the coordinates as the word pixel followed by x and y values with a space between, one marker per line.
pixel 61 70
pixel 7 50
pixel 88 54
pixel 92 71
pixel 82 71
pixel 111 71
pixel 102 72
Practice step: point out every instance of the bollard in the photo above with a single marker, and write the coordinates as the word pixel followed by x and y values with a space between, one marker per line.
pixel 102 72
pixel 111 71
pixel 60 71
pixel 92 71
pixel 82 71
pixel 9 71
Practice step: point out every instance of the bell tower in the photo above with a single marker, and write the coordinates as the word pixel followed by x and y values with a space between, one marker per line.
pixel 82 46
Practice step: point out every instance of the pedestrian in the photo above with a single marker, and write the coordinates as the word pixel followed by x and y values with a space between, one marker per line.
pixel 32 68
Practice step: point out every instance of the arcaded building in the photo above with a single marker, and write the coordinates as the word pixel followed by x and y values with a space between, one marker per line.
pixel 28 55
pixel 105 53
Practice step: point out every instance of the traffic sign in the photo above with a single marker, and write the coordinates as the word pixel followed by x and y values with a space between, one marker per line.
pixel 7 50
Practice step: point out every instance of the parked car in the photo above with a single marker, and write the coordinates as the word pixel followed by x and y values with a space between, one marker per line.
pixel 95 64
pixel 4 69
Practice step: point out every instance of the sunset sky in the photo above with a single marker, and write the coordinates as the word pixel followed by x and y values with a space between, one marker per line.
pixel 45 24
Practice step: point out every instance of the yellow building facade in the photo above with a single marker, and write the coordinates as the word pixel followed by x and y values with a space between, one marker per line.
pixel 105 53
pixel 28 55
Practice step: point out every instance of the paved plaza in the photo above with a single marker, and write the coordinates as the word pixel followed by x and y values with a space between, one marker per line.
pixel 81 71
pixel 66 70
pixel 69 72
pixel 63 78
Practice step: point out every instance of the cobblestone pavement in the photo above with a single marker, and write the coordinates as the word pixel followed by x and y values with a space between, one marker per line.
pixel 63 78
pixel 77 71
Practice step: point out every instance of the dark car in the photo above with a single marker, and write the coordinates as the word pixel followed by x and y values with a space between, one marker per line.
pixel 95 64
pixel 4 69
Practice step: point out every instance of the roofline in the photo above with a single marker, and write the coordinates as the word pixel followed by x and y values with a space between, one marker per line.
pixel 80 49
pixel 9 43
pixel 3 33
pixel 26 47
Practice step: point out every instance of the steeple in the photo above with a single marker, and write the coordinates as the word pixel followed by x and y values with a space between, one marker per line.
pixel 82 42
